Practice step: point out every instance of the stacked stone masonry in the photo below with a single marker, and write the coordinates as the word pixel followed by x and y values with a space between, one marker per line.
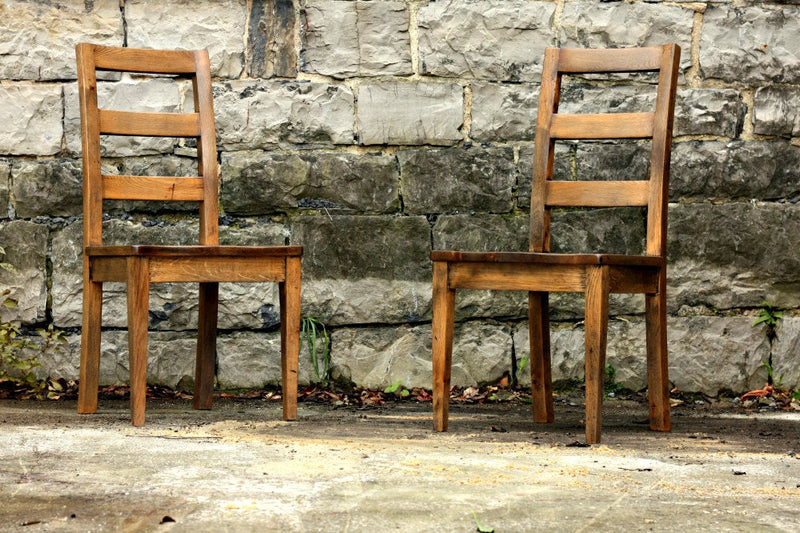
pixel 371 132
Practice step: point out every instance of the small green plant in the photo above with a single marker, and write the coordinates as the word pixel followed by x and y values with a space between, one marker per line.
pixel 770 318
pixel 480 527
pixel 771 376
pixel 15 368
pixel 397 389
pixel 316 336
pixel 610 385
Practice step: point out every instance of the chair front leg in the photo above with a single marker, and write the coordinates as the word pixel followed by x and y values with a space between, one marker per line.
pixel 442 343
pixel 290 297
pixel 138 281
pixel 91 324
pixel 657 362
pixel 597 290
pixel 205 362
pixel 541 374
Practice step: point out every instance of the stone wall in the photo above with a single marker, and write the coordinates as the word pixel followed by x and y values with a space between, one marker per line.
pixel 371 132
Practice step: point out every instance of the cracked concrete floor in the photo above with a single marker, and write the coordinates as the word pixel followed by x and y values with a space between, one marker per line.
pixel 240 468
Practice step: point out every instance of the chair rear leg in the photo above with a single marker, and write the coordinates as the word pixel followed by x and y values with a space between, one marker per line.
pixel 290 296
pixel 91 323
pixel 657 362
pixel 541 374
pixel 597 290
pixel 442 343
pixel 205 362
pixel 138 301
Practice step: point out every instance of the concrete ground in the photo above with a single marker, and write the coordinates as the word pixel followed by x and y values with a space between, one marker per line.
pixel 239 468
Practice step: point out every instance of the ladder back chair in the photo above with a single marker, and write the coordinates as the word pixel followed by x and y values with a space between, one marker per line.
pixel 138 266
pixel 597 274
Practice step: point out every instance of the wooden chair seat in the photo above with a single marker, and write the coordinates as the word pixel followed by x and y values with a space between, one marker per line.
pixel 138 266
pixel 540 272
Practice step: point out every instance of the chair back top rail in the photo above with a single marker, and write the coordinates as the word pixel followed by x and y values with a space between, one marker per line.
pixel 656 125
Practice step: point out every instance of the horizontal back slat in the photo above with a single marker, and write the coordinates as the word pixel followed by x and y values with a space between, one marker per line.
pixel 596 193
pixel 577 60
pixel 602 126
pixel 149 124
pixel 186 189
pixel 150 61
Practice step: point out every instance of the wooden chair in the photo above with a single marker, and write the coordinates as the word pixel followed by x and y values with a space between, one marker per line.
pixel 138 266
pixel 540 272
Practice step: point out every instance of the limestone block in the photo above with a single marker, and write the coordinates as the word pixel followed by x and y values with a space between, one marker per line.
pixel 736 169
pixel 346 39
pixel 410 113
pixel 5 175
pixel 709 112
pixel 369 300
pixel 485 40
pixel 39 38
pixel 776 111
pixel 253 359
pixel 752 44
pixel 25 245
pixel 47 187
pixel 481 233
pixel 503 112
pixel 590 24
pixel 379 357
pixel 270 39
pixel 734 255
pixel 153 96
pixel 453 179
pixel 358 247
pixel 172 306
pixel 706 354
pixel 217 25
pixel 31 118
pixel 786 353
pixel 261 114
pixel 256 182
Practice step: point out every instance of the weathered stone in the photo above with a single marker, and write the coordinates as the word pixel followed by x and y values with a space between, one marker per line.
pixel 172 306
pixel 248 359
pixel 735 347
pixel 31 118
pixel 482 233
pixel 410 113
pixel 39 38
pixel 260 115
pixel 217 25
pixel 25 245
pixel 5 175
pixel 732 255
pixel 265 182
pixel 270 39
pixel 737 169
pixel 709 112
pixel 47 187
pixel 786 353
pixel 357 247
pixel 591 24
pixel 369 300
pixel 503 112
pixel 471 178
pixel 379 357
pixel 776 111
pixel 344 39
pixel 751 44
pixel 498 41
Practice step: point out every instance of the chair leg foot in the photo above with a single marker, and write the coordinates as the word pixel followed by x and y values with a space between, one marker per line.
pixel 597 290
pixel 206 346
pixel 541 374
pixel 657 363
pixel 90 346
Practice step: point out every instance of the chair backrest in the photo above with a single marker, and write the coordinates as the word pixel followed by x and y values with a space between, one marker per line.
pixel 96 122
pixel 551 126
